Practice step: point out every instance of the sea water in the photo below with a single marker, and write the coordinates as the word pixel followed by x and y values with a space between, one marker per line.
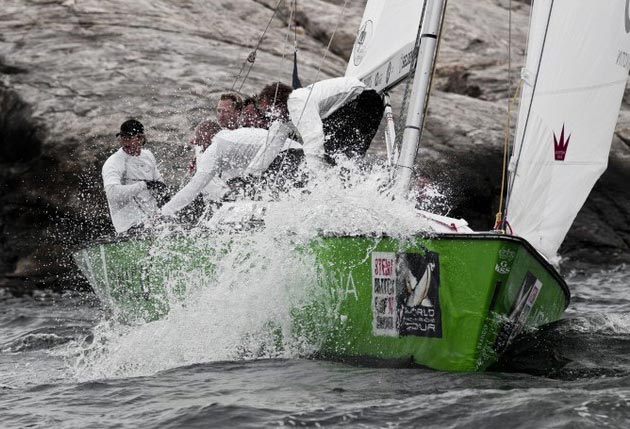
pixel 215 359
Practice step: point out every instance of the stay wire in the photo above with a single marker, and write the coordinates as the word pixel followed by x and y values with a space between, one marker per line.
pixel 498 221
pixel 319 68
pixel 275 96
pixel 529 110
pixel 251 58
pixel 321 62
pixel 498 224
pixel 294 24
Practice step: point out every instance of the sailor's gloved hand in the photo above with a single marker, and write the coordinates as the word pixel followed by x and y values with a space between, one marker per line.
pixel 154 185
pixel 159 191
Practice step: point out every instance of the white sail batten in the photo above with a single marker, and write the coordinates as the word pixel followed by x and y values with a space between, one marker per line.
pixel 575 76
pixel 384 48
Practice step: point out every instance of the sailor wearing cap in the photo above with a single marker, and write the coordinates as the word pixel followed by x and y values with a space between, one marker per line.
pixel 131 179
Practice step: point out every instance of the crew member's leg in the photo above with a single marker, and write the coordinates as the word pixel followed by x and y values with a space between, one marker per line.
pixel 283 173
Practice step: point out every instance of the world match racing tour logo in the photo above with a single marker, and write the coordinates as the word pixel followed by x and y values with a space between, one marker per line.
pixel 560 145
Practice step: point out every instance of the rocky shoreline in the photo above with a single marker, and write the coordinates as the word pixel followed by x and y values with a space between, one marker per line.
pixel 72 70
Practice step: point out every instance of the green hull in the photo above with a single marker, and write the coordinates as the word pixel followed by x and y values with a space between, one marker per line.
pixel 485 289
pixel 138 282
pixel 450 302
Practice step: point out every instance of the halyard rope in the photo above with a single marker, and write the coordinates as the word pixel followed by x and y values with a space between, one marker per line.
pixel 499 215
pixel 251 58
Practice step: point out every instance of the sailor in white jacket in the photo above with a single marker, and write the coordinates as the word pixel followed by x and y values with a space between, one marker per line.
pixel 130 178
pixel 334 117
pixel 233 153
pixel 201 140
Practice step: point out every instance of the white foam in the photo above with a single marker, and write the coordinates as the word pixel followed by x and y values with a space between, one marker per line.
pixel 239 312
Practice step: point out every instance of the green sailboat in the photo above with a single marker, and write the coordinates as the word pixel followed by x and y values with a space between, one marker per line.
pixel 445 297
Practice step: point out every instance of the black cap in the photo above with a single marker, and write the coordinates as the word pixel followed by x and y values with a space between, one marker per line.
pixel 130 128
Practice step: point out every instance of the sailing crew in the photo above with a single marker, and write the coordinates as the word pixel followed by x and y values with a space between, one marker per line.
pixel 334 117
pixel 228 110
pixel 133 185
pixel 235 154
pixel 250 115
pixel 216 189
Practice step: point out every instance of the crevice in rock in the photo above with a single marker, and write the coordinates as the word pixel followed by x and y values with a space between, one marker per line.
pixel 457 82
pixel 625 140
pixel 20 140
pixel 20 145
pixel 9 69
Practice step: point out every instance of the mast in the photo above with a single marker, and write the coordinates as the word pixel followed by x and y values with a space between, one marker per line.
pixel 428 40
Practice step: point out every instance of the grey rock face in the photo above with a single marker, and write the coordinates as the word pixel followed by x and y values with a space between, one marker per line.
pixel 72 70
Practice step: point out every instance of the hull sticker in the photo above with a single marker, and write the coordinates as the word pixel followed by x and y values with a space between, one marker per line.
pixel 418 285
pixel 522 307
pixel 405 294
pixel 506 256
pixel 384 314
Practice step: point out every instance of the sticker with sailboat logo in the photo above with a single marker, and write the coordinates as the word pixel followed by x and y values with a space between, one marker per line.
pixel 521 308
pixel 405 294
pixel 418 283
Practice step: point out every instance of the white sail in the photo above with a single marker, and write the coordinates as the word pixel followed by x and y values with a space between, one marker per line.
pixel 576 71
pixel 384 48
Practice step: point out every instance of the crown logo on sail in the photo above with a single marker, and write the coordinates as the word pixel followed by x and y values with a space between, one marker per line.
pixel 560 145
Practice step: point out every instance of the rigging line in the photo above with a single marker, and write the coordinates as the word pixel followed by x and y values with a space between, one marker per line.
pixel 249 69
pixel 529 110
pixel 275 96
pixel 284 53
pixel 511 147
pixel 325 55
pixel 509 70
pixel 524 61
pixel 252 56
pixel 321 62
pixel 295 24
pixel 499 215
pixel 268 137
pixel 332 36
pixel 284 48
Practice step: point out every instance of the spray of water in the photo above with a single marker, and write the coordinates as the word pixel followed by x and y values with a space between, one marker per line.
pixel 261 276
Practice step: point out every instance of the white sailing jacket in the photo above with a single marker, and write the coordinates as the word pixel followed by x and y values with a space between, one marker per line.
pixel 230 155
pixel 309 105
pixel 124 179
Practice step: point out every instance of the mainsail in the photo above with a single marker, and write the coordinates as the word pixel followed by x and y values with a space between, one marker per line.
pixel 575 76
pixel 384 48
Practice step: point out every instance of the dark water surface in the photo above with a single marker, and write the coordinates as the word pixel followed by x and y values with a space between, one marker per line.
pixel 574 374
